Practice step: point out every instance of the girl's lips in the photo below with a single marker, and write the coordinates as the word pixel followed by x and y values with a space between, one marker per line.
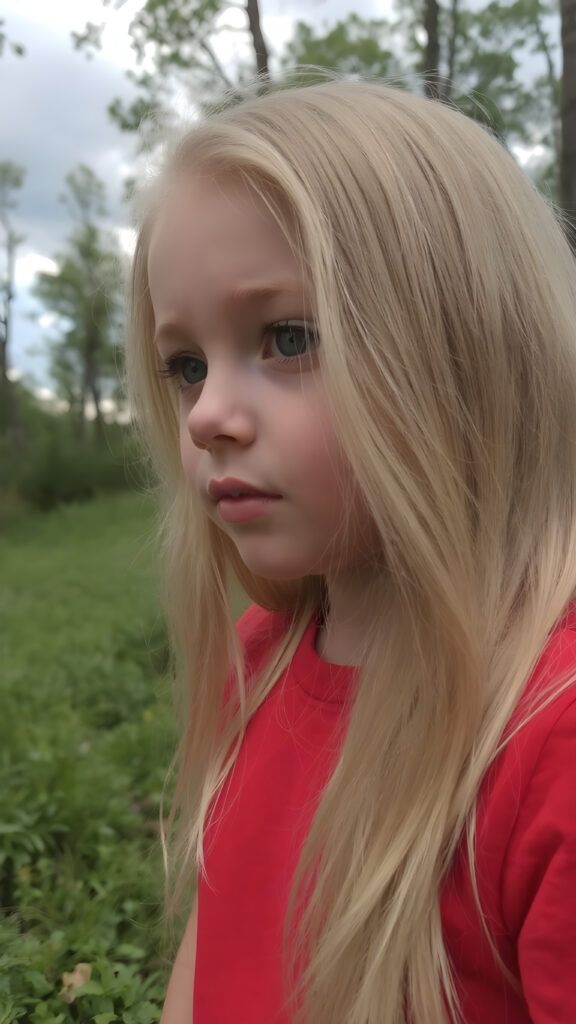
pixel 231 486
pixel 246 507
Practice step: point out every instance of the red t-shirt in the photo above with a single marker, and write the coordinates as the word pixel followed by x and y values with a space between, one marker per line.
pixel 525 852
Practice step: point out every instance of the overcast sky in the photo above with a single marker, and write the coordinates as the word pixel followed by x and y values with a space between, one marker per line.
pixel 53 116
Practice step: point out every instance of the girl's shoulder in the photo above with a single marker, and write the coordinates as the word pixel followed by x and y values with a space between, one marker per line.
pixel 537 766
pixel 556 663
pixel 533 816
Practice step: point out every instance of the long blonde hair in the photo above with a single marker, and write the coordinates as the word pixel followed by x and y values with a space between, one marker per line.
pixel 446 303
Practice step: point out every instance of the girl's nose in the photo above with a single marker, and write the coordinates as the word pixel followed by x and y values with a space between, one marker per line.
pixel 223 413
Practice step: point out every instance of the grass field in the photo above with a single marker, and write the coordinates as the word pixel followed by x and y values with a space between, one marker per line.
pixel 85 740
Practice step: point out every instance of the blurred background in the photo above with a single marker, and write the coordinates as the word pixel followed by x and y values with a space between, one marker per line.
pixel 86 727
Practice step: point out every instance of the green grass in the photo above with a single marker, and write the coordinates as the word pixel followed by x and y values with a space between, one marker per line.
pixel 62 573
pixel 85 740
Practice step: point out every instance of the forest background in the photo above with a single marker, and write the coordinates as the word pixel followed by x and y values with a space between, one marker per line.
pixel 86 732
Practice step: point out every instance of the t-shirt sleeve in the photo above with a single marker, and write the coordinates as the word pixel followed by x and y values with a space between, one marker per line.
pixel 539 882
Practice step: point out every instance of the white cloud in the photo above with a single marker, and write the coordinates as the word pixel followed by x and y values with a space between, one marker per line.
pixel 32 263
pixel 127 240
pixel 528 156
pixel 51 400
pixel 66 16
pixel 234 47
pixel 48 320
pixel 44 394
pixel 111 411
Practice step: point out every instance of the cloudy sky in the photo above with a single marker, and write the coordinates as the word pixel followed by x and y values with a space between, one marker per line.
pixel 53 116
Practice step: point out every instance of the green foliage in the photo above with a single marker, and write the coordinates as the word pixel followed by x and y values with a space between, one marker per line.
pixel 85 295
pixel 129 117
pixel 353 46
pixel 174 37
pixel 170 28
pixel 58 473
pixel 85 194
pixel 486 55
pixel 90 40
pixel 483 57
pixel 57 469
pixel 11 179
pixel 85 741
pixel 33 984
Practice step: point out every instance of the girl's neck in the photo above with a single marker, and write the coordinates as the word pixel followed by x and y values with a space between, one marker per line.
pixel 342 636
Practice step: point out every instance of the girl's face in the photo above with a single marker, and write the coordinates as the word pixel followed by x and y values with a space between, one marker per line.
pixel 235 330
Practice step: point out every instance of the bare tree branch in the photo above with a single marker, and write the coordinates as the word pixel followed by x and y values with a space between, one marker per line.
pixel 205 46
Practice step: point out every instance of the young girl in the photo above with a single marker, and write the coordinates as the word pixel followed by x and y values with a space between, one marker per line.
pixel 353 356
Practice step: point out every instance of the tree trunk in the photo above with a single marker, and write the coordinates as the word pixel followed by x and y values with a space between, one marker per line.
pixel 10 422
pixel 452 41
pixel 5 411
pixel 432 56
pixel 260 48
pixel 554 89
pixel 568 112
pixel 82 433
pixel 98 419
pixel 91 381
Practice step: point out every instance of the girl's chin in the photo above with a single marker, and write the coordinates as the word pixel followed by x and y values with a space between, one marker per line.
pixel 277 568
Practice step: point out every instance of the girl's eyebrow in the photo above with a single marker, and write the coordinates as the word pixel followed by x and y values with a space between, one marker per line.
pixel 171 332
pixel 247 292
pixel 241 294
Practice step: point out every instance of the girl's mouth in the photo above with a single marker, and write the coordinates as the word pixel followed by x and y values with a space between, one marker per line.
pixel 245 507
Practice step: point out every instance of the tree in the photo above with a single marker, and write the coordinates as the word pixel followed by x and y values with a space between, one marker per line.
pixel 352 46
pixel 568 143
pixel 480 56
pixel 474 57
pixel 11 180
pixel 471 58
pixel 177 38
pixel 85 296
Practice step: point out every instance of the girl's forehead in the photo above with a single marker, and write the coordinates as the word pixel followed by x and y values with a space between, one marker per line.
pixel 208 242
pixel 220 202
pixel 207 222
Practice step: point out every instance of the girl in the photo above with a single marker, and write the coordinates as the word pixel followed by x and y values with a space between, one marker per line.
pixel 352 353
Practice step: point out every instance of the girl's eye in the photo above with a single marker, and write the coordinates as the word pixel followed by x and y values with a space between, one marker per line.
pixel 293 338
pixel 187 370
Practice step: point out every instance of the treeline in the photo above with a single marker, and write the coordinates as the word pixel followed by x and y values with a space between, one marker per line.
pixel 62 449
pixel 511 66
